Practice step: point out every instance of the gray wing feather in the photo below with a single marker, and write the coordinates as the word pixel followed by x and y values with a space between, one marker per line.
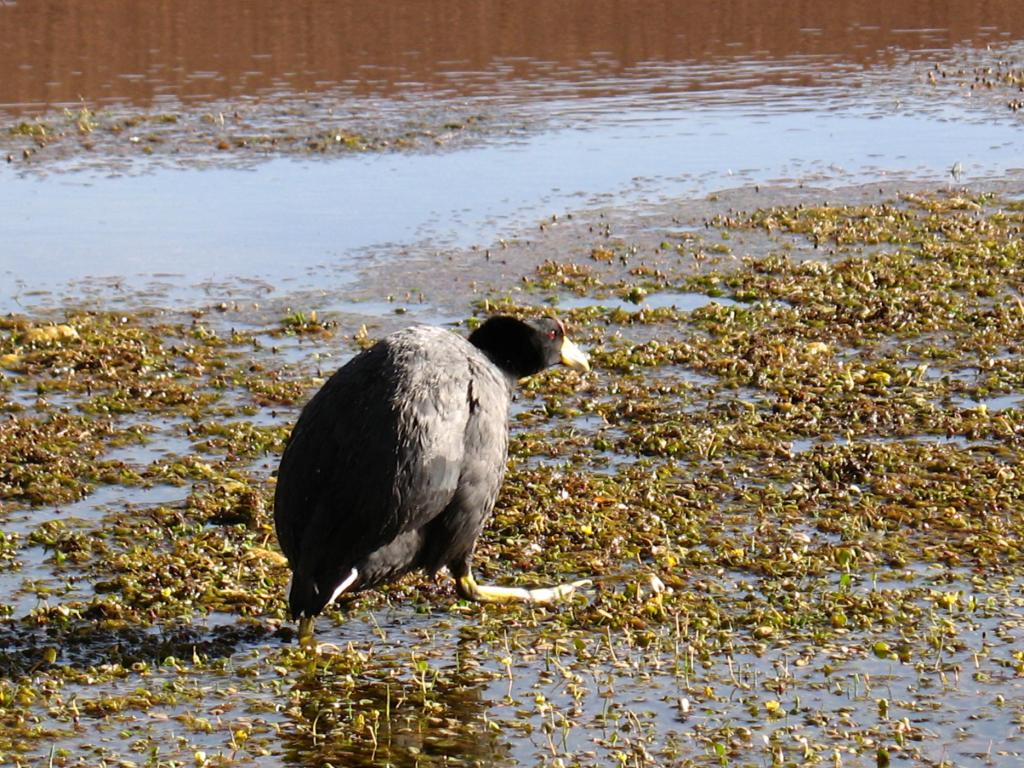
pixel 454 536
pixel 377 451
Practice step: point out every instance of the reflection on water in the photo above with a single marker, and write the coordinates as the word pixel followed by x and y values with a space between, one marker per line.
pixel 400 713
pixel 55 54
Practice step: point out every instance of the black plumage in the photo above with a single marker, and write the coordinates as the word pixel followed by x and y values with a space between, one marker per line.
pixel 395 464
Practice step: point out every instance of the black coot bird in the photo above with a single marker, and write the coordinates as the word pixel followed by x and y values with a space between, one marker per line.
pixel 396 462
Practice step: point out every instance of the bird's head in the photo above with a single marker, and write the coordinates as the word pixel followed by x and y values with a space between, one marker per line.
pixel 525 347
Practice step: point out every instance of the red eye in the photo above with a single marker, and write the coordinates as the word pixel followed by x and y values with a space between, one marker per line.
pixel 552 335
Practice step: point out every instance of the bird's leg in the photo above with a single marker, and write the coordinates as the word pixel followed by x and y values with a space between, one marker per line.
pixel 308 643
pixel 306 632
pixel 468 589
pixel 306 639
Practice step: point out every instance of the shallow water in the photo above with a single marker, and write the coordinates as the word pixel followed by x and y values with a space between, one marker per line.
pixel 168 52
pixel 295 224
pixel 608 113
pixel 685 302
pixel 994 404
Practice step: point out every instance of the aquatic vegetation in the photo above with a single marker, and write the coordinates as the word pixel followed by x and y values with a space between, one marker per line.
pixel 803 497
pixel 237 133
pixel 300 322
pixel 1001 81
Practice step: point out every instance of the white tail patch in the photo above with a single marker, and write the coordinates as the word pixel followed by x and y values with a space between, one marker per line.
pixel 288 586
pixel 349 580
